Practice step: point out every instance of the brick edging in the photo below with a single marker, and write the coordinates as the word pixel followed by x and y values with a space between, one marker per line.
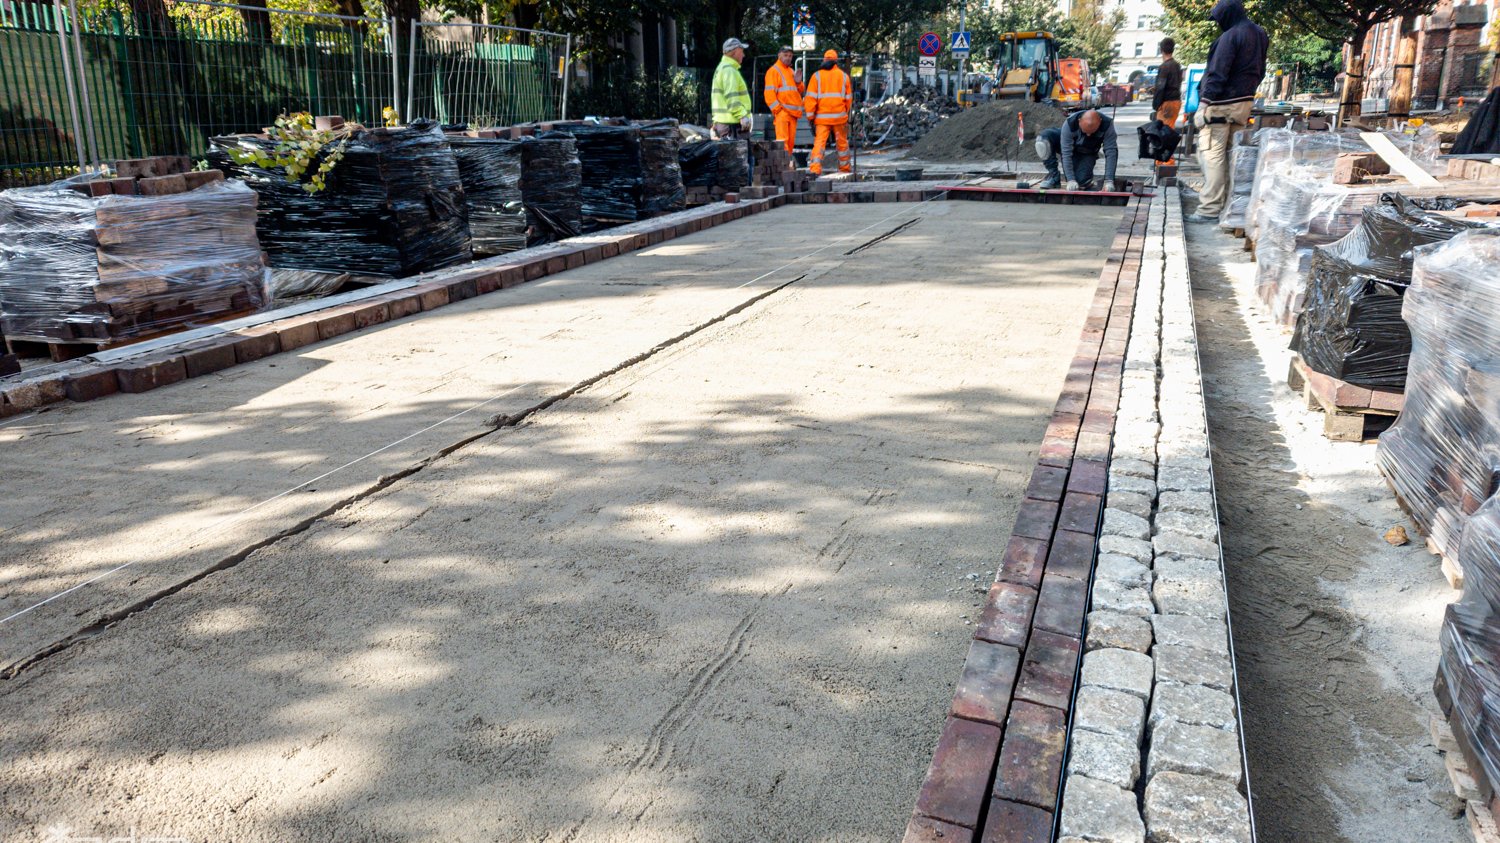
pixel 997 768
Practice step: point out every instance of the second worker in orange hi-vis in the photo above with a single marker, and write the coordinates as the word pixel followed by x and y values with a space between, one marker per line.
pixel 828 103
pixel 784 97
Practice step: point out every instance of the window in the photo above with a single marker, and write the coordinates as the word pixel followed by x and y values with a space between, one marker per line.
pixel 1142 22
pixel 1138 47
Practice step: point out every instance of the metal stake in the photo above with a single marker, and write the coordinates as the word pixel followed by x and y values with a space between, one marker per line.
pixel 62 38
pixel 83 86
pixel 411 72
pixel 567 59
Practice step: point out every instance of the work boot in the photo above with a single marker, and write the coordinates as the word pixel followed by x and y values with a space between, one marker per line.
pixel 1050 183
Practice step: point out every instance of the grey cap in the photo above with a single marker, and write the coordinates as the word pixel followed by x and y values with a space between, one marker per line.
pixel 735 43
pixel 785 48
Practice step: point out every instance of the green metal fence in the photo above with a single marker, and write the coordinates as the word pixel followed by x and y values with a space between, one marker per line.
pixel 482 74
pixel 215 68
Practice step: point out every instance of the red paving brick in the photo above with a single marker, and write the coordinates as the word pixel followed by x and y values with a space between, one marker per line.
pixel 929 830
pixel 1032 754
pixel 989 678
pixel 1038 600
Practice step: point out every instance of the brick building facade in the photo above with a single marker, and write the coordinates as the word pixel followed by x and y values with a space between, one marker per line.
pixel 1452 56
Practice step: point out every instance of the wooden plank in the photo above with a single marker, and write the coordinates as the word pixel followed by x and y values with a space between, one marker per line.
pixel 1408 168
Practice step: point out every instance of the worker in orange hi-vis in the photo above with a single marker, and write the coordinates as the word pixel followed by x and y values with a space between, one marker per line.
pixel 828 104
pixel 784 97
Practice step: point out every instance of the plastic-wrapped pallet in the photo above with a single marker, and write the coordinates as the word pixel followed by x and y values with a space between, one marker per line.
pixel 394 205
pixel 662 190
pixel 551 187
pixel 1242 182
pixel 74 268
pixel 1442 456
pixel 1350 327
pixel 1295 198
pixel 613 176
pixel 491 173
pixel 1279 146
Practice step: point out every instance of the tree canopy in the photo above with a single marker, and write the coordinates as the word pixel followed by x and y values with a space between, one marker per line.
pixel 1087 33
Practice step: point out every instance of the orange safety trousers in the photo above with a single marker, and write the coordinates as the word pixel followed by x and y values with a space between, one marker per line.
pixel 786 128
pixel 820 142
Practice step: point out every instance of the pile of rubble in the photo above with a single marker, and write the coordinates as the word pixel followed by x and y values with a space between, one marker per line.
pixel 903 118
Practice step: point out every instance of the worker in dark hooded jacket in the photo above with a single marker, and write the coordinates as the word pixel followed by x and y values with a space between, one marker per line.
pixel 1236 64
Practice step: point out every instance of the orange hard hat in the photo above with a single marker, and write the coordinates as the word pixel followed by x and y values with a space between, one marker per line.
pixel 830 55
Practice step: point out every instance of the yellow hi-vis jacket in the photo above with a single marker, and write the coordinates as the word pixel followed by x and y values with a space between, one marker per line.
pixel 729 102
pixel 830 97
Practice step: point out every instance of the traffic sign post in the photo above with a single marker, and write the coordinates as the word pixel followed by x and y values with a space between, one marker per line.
pixel 927 67
pixel 960 45
pixel 804 34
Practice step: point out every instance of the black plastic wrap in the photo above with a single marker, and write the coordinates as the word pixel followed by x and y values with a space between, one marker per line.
pixel 734 165
pixel 1481 135
pixel 613 176
pixel 551 187
pixel 1351 327
pixel 76 268
pixel 491 173
pixel 662 189
pixel 394 205
pixel 1442 455
pixel 1469 643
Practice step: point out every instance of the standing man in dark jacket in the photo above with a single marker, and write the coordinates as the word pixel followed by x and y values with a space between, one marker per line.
pixel 1236 64
pixel 1167 101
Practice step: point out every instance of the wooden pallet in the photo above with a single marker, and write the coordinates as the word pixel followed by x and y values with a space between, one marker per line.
pixel 1350 413
pixel 1452 571
pixel 59 350
pixel 1481 819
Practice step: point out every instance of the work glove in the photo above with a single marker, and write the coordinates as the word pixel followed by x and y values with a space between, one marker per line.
pixel 1109 187
pixel 745 123
pixel 1072 185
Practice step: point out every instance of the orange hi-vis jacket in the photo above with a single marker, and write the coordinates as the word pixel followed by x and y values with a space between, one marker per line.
pixel 782 90
pixel 830 97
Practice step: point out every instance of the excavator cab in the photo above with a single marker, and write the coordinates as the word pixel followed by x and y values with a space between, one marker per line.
pixel 1026 66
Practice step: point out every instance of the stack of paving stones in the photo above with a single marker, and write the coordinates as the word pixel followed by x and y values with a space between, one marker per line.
pixel 1155 744
pixel 998 764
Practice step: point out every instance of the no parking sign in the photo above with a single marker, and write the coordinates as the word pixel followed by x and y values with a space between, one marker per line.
pixel 930 44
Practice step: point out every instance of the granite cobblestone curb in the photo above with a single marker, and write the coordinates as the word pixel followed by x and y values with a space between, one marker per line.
pixel 1186 781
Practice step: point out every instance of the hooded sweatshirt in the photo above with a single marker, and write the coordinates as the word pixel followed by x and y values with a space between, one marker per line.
pixel 1237 58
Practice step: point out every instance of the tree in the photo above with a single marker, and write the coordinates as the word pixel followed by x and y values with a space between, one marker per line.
pixel 850 25
pixel 1090 33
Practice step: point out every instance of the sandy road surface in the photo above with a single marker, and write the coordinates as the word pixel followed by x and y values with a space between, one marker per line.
pixel 717 595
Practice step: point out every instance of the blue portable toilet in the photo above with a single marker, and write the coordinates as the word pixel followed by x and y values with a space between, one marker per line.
pixel 1192 75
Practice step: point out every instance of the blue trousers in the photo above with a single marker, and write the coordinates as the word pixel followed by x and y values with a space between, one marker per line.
pixel 1083 165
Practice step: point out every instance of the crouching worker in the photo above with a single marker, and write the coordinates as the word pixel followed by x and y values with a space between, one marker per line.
pixel 1075 145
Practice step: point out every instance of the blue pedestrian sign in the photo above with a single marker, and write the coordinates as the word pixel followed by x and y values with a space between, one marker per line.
pixel 929 44
pixel 959 46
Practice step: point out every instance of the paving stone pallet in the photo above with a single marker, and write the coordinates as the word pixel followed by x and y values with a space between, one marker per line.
pixel 1465 772
pixel 1114 556
pixel 1351 413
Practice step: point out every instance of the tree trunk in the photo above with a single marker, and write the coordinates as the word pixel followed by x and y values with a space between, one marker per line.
pixel 151 17
pixel 257 21
pixel 1406 64
pixel 1354 76
pixel 352 8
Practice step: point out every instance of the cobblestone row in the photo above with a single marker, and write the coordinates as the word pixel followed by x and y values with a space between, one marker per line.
pixel 1155 752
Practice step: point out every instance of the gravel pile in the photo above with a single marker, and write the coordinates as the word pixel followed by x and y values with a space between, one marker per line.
pixel 988 133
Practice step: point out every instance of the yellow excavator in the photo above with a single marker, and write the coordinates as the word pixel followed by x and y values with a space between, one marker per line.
pixel 1027 66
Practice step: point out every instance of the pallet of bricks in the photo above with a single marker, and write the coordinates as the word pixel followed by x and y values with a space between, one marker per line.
pixel 712 170
pixel 1298 203
pixel 93 261
pixel 774 171
pixel 1351 338
pixel 1442 458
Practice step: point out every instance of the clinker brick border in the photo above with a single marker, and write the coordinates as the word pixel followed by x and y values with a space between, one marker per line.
pixel 996 771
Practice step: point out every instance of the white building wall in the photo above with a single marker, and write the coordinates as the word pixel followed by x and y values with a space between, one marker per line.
pixel 1138 38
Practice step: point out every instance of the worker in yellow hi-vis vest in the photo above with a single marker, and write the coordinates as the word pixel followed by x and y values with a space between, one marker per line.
pixel 828 103
pixel 784 96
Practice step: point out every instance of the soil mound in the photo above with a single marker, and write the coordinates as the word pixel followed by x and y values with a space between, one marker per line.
pixel 988 133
